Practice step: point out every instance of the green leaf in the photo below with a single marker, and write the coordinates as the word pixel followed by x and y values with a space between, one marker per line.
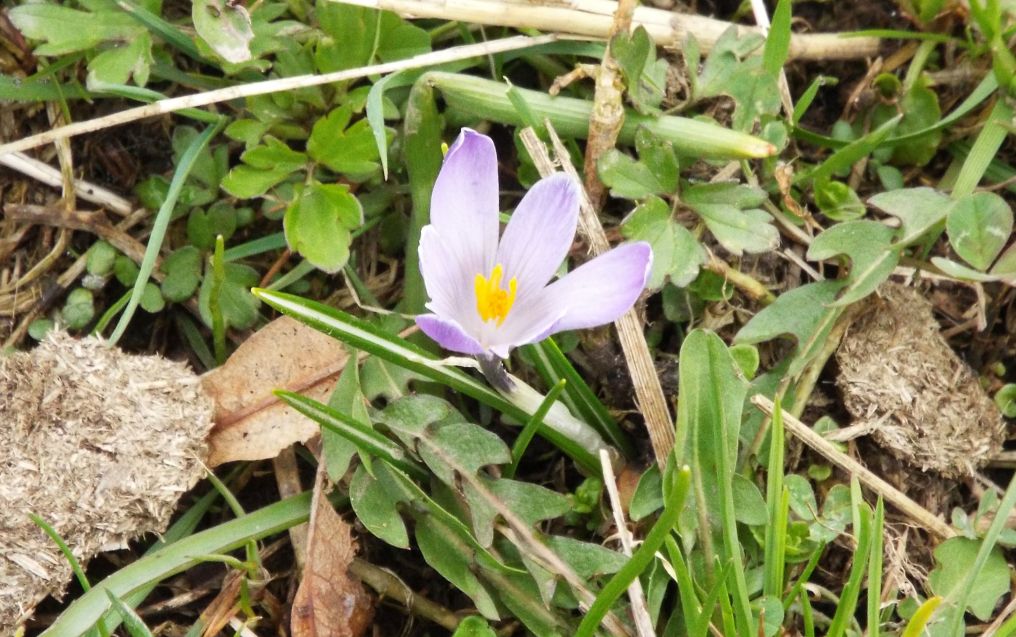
pixel 151 299
pixel 644 75
pixel 648 496
pixel 203 227
pixel 452 557
pixel 953 558
pixel 1005 398
pixel 659 156
pixel 979 226
pixel 100 259
pixel 400 39
pixel 838 201
pixel 677 255
pixel 729 211
pixel 627 177
pixel 374 500
pixel 732 70
pixel 264 166
pixel 118 64
pixel 39 328
pixel 79 309
pixel 920 210
pixel 318 224
pixel 62 27
pixel 239 307
pixel 338 450
pixel 963 272
pixel 920 111
pixel 868 245
pixel 456 447
pixel 225 27
pixel 125 270
pixel 531 502
pixel 344 148
pixel 749 505
pixel 588 560
pixel 183 274
pixel 473 626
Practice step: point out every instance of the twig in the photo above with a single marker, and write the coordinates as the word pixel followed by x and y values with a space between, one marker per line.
pixel 43 172
pixel 924 518
pixel 648 391
pixel 643 623
pixel 174 104
pixel 608 106
pixel 744 282
pixel 387 584
pixel 593 18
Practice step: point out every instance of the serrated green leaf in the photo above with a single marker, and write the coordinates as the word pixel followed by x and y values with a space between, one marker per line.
pixel 658 155
pixel 264 166
pixel 347 149
pixel 731 70
pixel 868 245
pixel 953 558
pixel 979 226
pixel 461 447
pixel 318 224
pixel 531 502
pixel 730 212
pixel 588 560
pixel 676 252
pixel 203 227
pixel 627 177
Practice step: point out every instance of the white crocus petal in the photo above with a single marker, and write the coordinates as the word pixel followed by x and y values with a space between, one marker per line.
pixel 464 203
pixel 540 231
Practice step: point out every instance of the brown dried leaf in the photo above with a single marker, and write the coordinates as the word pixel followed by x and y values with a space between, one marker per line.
pixel 329 603
pixel 250 422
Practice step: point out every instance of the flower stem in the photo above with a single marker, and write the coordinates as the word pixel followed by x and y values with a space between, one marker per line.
pixel 529 400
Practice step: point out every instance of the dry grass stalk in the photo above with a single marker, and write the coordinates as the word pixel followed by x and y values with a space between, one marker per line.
pixel 44 173
pixel 648 391
pixel 924 518
pixel 174 104
pixel 593 18
pixel 608 106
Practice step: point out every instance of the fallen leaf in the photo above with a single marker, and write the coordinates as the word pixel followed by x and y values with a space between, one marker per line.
pixel 250 422
pixel 329 603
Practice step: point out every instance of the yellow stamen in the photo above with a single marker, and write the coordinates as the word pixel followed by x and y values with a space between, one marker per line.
pixel 492 301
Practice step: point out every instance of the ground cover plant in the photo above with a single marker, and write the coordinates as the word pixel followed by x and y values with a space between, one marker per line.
pixel 510 318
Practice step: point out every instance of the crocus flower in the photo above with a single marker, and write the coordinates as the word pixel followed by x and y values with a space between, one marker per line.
pixel 490 294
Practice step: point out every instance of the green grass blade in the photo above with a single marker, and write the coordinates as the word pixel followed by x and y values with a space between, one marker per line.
pixel 778 501
pixel 921 617
pixel 178 557
pixel 132 621
pixel 527 433
pixel 778 41
pixel 366 439
pixel 640 559
pixel 845 157
pixel 847 605
pixel 162 219
pixel 368 338
pixel 992 134
pixel 214 302
pixel 875 572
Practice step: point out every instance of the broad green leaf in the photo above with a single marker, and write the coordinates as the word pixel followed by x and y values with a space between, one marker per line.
pixel 349 36
pixel 965 272
pixel 238 305
pixel 676 252
pixel 347 149
pixel 409 417
pixel 979 226
pixel 453 558
pixel 151 299
pixel 588 560
pixel 953 558
pixel 1005 398
pixel 118 64
pixel 868 245
pixel 730 212
pixel 795 313
pixel 183 274
pixel 66 30
pixel 920 210
pixel 644 75
pixel 648 496
pixel 374 500
pixel 732 70
pixel 531 502
pixel 460 447
pixel 225 27
pixel 338 450
pixel 659 156
pixel 125 270
pixel 400 39
pixel 627 177
pixel 920 111
pixel 749 505
pixel 318 224
pixel 802 497
pixel 1005 266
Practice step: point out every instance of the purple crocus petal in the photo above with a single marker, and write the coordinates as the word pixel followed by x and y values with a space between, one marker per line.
pixel 449 284
pixel 540 232
pixel 600 291
pixel 448 334
pixel 464 203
